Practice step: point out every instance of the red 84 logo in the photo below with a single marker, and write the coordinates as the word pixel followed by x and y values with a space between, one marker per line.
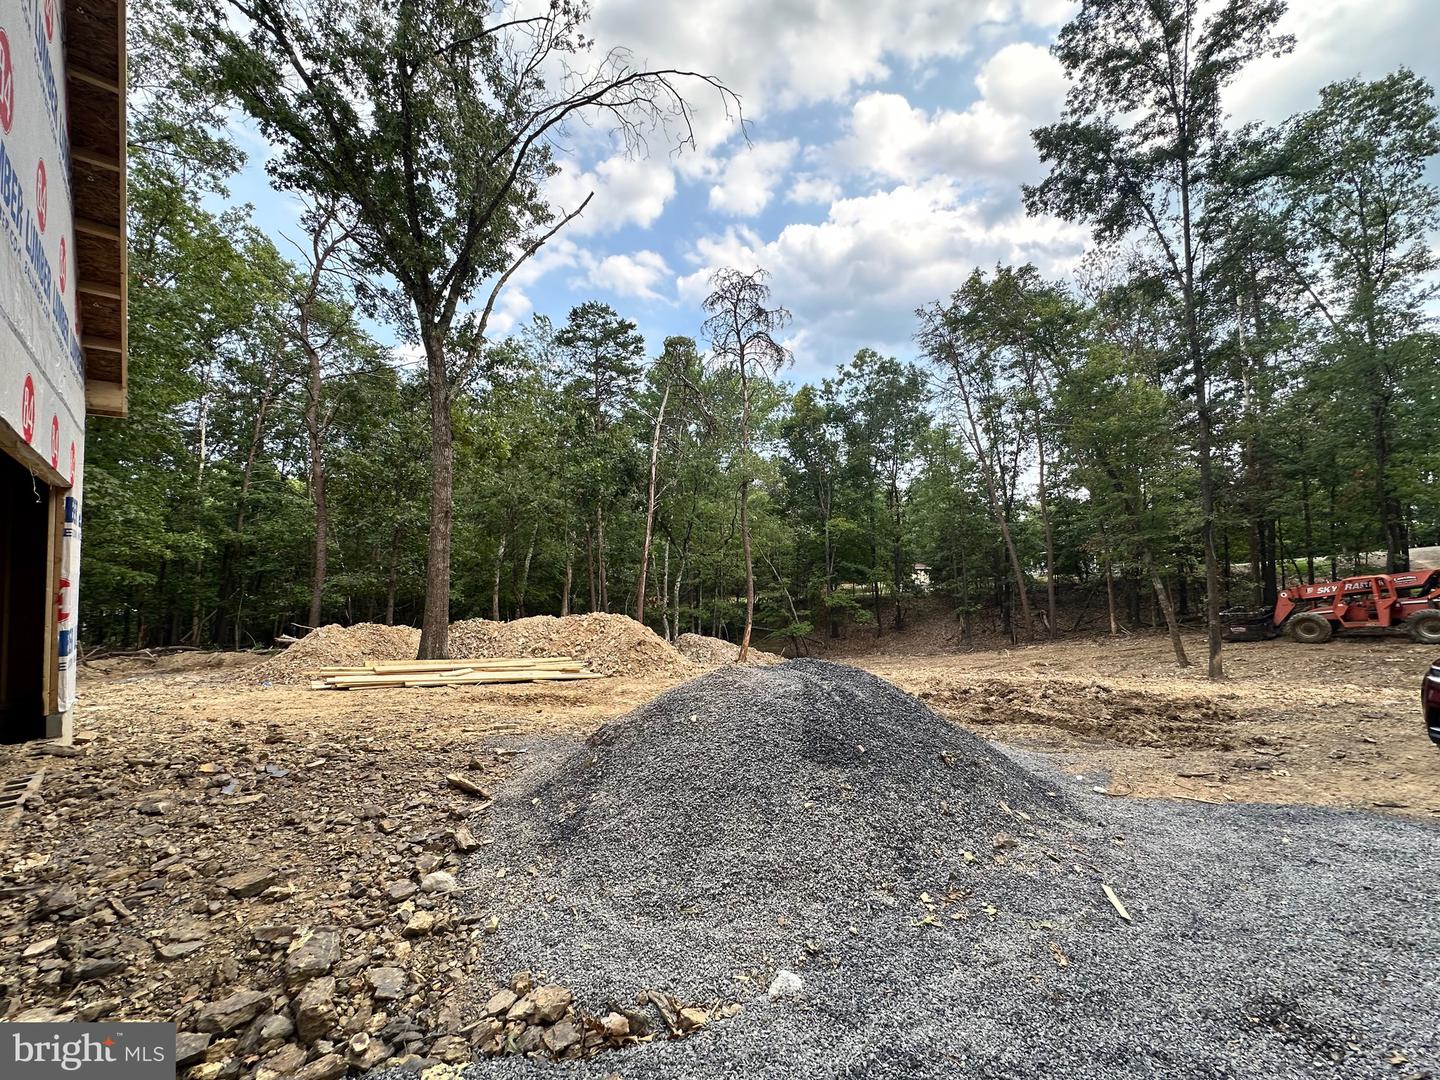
pixel 54 442
pixel 7 84
pixel 27 410
pixel 42 194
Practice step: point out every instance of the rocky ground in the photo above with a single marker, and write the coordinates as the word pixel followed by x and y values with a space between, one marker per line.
pixel 272 867
pixel 873 892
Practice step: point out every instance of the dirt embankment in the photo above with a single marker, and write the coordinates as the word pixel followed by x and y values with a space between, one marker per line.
pixel 610 644
pixel 711 652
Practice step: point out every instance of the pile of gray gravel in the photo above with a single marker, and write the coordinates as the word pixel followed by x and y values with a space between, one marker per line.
pixel 942 903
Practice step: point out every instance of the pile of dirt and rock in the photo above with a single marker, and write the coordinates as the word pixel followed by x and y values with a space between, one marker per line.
pixel 1085 707
pixel 610 644
pixel 338 646
pixel 711 652
pixel 865 890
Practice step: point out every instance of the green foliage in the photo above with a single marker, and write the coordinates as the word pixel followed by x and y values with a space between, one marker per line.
pixel 1055 439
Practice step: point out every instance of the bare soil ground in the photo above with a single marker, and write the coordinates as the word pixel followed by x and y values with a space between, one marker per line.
pixel 1337 725
pixel 192 770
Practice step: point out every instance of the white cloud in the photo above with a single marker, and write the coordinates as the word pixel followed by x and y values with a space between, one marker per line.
pixel 1023 80
pixel 1047 12
pixel 635 275
pixel 784 54
pixel 1021 87
pixel 857 277
pixel 1338 39
pixel 748 177
pixel 628 190
pixel 809 188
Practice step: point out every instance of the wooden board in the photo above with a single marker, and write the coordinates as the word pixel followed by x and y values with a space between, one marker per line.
pixel 388 667
pixel 360 682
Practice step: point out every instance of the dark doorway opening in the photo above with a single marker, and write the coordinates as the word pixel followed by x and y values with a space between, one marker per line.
pixel 24 606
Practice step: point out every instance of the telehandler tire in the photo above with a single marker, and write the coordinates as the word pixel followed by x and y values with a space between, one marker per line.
pixel 1424 627
pixel 1309 629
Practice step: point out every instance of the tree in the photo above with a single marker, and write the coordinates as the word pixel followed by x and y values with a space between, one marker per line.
pixel 1132 154
pixel 322 320
pixel 741 330
pixel 431 125
pixel 885 401
pixel 669 373
pixel 1360 214
pixel 602 356
pixel 813 438
pixel 1032 329
pixel 948 337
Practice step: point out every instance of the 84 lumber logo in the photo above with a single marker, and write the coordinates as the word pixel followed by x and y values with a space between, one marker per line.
pixel 82 1051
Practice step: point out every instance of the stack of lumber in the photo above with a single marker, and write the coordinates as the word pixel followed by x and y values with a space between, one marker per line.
pixel 451 672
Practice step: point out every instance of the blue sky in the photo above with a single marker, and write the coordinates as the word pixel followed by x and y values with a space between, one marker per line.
pixel 887 145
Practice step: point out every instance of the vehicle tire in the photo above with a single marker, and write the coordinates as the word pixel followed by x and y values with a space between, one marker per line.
pixel 1309 629
pixel 1424 627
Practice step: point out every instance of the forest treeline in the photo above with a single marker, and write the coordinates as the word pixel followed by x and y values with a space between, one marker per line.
pixel 1237 388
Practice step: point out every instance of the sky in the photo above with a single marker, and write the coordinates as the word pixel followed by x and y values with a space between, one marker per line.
pixel 887 142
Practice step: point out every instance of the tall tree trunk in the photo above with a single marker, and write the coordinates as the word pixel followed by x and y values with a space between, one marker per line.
pixel 664 594
pixel 1049 538
pixel 745 509
pixel 600 581
pixel 495 588
pixel 317 474
pixel 1162 597
pixel 650 500
pixel 898 553
pixel 992 492
pixel 749 569
pixel 393 577
pixel 590 565
pixel 569 571
pixel 525 574
pixel 435 623
pixel 1110 598
pixel 1199 368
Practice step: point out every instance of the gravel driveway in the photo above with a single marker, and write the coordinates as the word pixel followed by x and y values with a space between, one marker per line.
pixel 944 903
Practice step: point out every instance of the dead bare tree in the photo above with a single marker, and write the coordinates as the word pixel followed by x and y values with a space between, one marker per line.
pixel 741 330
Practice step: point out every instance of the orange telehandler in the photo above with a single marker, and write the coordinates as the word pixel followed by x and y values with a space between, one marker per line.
pixel 1366 604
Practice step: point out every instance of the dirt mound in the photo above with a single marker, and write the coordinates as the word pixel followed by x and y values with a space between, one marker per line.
pixel 611 644
pixel 338 646
pixel 1133 717
pixel 712 651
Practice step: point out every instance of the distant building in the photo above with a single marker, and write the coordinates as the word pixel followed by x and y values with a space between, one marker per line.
pixel 62 327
